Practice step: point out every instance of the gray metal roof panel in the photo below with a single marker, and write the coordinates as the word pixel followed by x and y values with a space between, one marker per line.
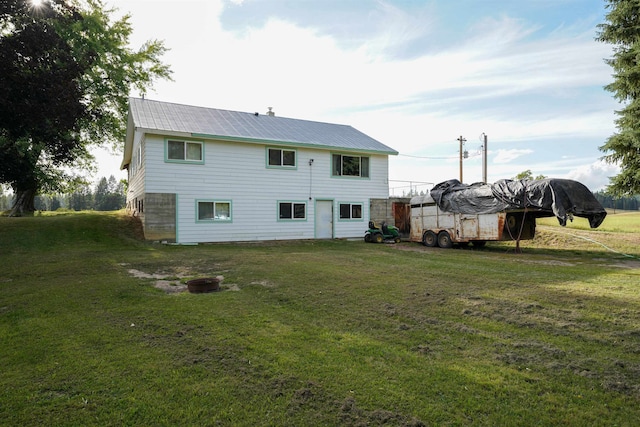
pixel 163 116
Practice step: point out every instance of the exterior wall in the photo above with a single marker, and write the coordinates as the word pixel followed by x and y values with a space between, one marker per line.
pixel 237 172
pixel 157 211
pixel 135 189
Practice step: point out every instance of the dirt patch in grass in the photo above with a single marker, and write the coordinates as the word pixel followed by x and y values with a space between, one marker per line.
pixel 168 283
pixel 173 283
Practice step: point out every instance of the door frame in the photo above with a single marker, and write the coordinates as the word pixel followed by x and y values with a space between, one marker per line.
pixel 317 217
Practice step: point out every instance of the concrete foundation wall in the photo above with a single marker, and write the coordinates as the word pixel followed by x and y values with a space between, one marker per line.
pixel 159 218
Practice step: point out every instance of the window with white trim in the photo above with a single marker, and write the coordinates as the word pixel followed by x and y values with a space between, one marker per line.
pixel 212 210
pixel 350 210
pixel 344 165
pixel 292 210
pixel 279 157
pixel 184 151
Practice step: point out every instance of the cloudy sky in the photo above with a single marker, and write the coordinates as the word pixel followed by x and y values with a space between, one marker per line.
pixel 413 74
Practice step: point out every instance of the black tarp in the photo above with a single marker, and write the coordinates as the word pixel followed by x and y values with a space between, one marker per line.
pixel 562 198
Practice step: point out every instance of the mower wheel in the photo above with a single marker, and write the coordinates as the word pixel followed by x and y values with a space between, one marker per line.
pixel 378 238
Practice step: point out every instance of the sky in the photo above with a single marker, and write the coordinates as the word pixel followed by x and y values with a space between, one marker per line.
pixel 414 74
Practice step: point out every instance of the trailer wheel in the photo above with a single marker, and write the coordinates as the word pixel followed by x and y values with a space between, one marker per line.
pixel 367 237
pixel 479 243
pixel 444 240
pixel 429 239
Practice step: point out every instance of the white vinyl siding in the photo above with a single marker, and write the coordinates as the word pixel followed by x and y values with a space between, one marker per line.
pixel 136 187
pixel 236 171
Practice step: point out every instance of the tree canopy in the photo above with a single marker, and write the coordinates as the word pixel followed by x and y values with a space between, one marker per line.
pixel 528 175
pixel 622 30
pixel 66 71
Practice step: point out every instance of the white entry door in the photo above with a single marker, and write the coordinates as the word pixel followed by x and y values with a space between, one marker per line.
pixel 324 219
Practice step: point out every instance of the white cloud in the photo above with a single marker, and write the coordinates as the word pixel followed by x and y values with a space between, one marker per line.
pixel 417 105
pixel 507 156
pixel 594 176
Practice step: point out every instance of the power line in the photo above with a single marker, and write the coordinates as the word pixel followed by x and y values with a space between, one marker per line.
pixel 436 158
pixel 428 157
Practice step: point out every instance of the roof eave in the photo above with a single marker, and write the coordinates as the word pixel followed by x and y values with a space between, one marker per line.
pixel 291 144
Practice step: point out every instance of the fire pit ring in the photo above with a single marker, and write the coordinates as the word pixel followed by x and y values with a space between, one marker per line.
pixel 204 285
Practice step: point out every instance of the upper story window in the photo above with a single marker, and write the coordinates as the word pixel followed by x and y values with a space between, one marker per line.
pixel 279 157
pixel 344 165
pixel 184 151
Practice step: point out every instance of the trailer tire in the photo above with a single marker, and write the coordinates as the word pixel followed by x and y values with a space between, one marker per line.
pixel 429 239
pixel 444 240
pixel 512 224
pixel 479 243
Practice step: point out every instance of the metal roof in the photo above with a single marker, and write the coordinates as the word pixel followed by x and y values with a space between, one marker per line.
pixel 201 122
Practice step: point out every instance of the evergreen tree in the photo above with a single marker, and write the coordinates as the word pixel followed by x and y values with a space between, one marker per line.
pixel 622 30
pixel 100 195
pixel 81 199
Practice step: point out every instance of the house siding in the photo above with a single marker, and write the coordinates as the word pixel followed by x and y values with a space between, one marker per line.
pixel 237 172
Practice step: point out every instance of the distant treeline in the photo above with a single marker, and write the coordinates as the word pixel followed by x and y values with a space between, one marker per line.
pixel 623 203
pixel 107 195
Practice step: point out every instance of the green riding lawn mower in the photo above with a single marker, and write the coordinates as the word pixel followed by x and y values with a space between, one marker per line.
pixel 384 233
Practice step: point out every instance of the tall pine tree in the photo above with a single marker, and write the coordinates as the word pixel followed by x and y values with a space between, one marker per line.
pixel 622 31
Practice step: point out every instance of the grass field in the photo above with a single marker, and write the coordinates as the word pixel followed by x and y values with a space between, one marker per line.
pixel 97 330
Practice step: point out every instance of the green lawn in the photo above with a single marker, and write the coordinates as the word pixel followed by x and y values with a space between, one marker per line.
pixel 337 333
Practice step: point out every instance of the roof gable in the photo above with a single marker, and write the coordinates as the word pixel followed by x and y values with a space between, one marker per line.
pixel 163 117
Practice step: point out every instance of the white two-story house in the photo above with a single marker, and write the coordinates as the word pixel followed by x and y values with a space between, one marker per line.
pixel 208 175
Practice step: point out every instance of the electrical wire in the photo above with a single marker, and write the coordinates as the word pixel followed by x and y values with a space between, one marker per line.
pixel 438 158
pixel 597 243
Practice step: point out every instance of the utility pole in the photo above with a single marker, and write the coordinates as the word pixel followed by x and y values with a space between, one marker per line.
pixel 462 141
pixel 484 158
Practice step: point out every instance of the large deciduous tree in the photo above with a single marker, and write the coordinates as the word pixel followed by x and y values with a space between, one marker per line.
pixel 622 30
pixel 66 72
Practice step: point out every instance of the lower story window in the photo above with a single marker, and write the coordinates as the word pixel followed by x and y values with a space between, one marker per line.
pixel 209 210
pixel 350 210
pixel 292 210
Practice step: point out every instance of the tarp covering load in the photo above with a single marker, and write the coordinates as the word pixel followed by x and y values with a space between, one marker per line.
pixel 562 198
